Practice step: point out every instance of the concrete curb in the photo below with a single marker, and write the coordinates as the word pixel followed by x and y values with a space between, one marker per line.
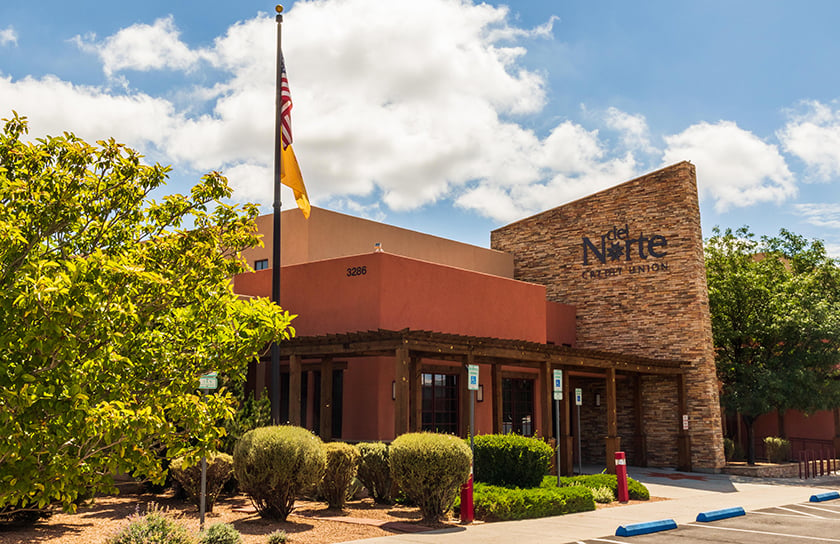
pixel 724 513
pixel 825 496
pixel 646 527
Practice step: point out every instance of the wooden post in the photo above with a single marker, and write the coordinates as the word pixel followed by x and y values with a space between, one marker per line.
pixel 683 436
pixel 326 398
pixel 401 392
pixel 496 397
pixel 464 396
pixel 547 395
pixel 294 389
pixel 641 436
pixel 566 440
pixel 613 441
pixel 415 389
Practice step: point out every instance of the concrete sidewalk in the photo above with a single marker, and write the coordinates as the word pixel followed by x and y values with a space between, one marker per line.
pixel 687 494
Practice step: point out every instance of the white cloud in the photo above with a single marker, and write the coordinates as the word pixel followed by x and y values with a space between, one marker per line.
pixel 632 128
pixel 825 215
pixel 8 36
pixel 734 167
pixel 813 135
pixel 142 47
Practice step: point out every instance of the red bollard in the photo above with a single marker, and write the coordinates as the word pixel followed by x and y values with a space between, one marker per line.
pixel 621 476
pixel 467 512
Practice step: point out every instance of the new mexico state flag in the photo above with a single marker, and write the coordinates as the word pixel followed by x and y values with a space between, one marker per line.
pixel 291 177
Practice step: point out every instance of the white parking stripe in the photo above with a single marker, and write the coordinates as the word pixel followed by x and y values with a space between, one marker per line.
pixel 821 509
pixel 610 541
pixel 800 513
pixel 798 516
pixel 820 539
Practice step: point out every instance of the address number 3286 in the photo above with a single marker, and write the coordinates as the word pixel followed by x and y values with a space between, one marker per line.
pixel 356 271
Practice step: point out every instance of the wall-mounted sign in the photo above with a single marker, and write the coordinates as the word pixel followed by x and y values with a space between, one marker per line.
pixel 472 377
pixel 558 385
pixel 625 253
pixel 685 422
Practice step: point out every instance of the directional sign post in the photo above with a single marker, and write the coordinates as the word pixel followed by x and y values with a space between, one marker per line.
pixel 578 403
pixel 206 383
pixel 558 396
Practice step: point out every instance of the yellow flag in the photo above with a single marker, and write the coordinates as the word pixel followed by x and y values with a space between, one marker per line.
pixel 291 177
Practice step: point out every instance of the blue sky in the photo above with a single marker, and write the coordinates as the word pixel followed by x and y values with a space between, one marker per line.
pixel 452 117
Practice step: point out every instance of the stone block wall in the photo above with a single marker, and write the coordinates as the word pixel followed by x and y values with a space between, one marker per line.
pixel 630 258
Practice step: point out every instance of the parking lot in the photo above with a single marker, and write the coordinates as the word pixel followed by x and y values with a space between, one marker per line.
pixel 801 522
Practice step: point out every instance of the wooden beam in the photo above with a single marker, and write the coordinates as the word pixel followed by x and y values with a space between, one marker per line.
pixel 496 397
pixel 294 389
pixel 401 390
pixel 326 399
pixel 613 441
pixel 415 423
pixel 683 436
pixel 638 413
pixel 566 440
pixel 546 395
pixel 464 396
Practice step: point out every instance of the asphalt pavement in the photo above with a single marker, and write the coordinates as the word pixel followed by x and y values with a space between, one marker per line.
pixel 684 494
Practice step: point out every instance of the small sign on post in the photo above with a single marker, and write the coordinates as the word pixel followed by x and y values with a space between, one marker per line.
pixel 578 396
pixel 209 381
pixel 558 385
pixel 472 377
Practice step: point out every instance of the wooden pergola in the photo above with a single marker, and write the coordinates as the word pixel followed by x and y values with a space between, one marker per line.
pixel 410 347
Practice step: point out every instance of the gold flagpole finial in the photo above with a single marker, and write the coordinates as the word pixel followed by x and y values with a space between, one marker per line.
pixel 278 8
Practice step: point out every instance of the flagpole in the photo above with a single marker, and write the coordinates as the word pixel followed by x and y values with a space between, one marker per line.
pixel 276 245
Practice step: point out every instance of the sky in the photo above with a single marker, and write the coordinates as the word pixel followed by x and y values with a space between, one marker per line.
pixel 453 117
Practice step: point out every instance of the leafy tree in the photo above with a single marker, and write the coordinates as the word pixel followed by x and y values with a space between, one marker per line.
pixel 775 308
pixel 111 306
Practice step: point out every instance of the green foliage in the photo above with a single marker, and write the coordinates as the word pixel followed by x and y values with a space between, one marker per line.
pixel 635 489
pixel 250 414
pixel 221 533
pixel 278 537
pixel 603 494
pixel 511 460
pixel 342 463
pixel 375 471
pixel 430 469
pixel 777 449
pixel 775 310
pixel 497 503
pixel 110 310
pixel 274 464
pixel 219 471
pixel 156 526
pixel 733 451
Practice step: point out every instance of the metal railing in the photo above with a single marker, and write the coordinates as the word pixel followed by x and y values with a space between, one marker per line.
pixel 813 463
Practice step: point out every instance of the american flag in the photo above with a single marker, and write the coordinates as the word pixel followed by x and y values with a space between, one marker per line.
pixel 285 106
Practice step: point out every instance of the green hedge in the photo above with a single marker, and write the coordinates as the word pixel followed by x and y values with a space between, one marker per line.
pixel 219 471
pixel 430 469
pixel 636 490
pixel 342 463
pixel 375 471
pixel 497 503
pixel 511 460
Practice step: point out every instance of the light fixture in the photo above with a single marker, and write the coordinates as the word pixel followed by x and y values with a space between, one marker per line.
pixel 393 390
pixel 597 399
pixel 479 395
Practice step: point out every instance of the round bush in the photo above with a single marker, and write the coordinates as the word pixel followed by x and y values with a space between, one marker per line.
pixel 219 471
pixel 342 463
pixel 273 464
pixel 375 471
pixel 511 460
pixel 430 469
pixel 221 533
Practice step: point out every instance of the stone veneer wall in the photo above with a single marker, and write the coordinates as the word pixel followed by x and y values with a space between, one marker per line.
pixel 648 297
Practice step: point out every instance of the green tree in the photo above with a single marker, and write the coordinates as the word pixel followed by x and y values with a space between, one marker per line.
pixel 775 305
pixel 111 306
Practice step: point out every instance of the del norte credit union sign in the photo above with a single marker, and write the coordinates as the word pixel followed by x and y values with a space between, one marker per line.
pixel 623 252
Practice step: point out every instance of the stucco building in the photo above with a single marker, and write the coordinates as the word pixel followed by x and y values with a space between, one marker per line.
pixel 609 289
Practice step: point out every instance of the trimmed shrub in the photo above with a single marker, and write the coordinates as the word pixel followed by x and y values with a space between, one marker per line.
pixel 273 465
pixel 342 463
pixel 278 537
pixel 728 448
pixel 219 471
pixel 511 460
pixel 430 469
pixel 497 503
pixel 156 526
pixel 777 449
pixel 603 495
pixel 636 490
pixel 375 471
pixel 221 533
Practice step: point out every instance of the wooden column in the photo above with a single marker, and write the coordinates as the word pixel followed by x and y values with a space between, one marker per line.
pixel 401 390
pixel 415 389
pixel 294 389
pixel 547 393
pixel 326 398
pixel 613 441
pixel 638 412
pixel 566 439
pixel 683 436
pixel 496 397
pixel 464 393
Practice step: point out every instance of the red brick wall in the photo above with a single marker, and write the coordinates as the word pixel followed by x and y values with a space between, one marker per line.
pixel 630 258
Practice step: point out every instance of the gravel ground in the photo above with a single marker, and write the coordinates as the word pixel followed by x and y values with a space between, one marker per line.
pixel 308 524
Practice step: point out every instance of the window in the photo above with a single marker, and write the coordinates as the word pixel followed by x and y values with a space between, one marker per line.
pixel 518 406
pixel 262 264
pixel 440 403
